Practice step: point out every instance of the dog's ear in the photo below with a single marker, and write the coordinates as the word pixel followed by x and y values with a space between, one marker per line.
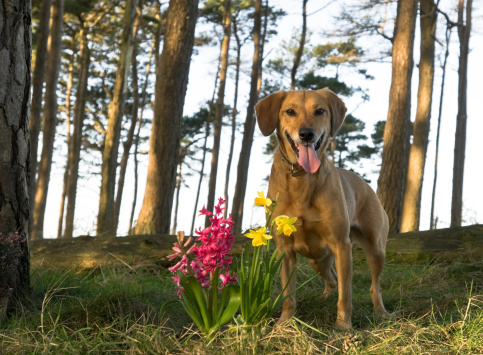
pixel 337 110
pixel 267 112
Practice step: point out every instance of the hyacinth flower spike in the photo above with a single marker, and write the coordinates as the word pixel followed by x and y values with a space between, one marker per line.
pixel 204 271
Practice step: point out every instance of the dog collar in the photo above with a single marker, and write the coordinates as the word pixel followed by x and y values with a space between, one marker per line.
pixel 296 173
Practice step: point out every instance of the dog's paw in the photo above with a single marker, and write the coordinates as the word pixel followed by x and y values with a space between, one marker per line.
pixel 343 325
pixel 328 292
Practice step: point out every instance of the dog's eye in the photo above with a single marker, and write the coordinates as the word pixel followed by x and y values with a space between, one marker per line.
pixel 290 112
pixel 319 111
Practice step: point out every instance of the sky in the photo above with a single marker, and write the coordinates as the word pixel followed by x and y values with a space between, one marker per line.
pixel 200 88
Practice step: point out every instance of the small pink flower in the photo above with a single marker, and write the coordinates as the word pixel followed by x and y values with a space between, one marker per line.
pixel 173 256
pixel 205 212
pixel 226 278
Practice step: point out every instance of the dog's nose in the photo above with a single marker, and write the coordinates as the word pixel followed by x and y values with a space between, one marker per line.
pixel 306 134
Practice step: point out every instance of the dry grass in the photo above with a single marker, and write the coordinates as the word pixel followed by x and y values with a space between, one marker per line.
pixel 437 306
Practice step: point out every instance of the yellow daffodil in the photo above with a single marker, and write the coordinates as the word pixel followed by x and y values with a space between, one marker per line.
pixel 285 225
pixel 259 237
pixel 262 201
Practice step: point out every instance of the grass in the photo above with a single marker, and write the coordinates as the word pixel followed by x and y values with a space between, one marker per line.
pixel 436 302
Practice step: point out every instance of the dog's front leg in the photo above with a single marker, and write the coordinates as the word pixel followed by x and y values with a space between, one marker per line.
pixel 288 264
pixel 343 262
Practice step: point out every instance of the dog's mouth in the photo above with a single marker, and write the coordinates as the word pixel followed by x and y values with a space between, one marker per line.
pixel 295 146
pixel 306 153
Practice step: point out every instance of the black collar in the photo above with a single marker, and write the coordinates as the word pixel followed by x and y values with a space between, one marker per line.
pixel 296 173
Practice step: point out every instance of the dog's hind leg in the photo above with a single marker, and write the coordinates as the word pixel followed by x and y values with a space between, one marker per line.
pixel 375 260
pixel 374 249
pixel 325 268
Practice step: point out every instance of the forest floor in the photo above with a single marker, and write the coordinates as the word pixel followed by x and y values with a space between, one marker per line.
pixel 432 287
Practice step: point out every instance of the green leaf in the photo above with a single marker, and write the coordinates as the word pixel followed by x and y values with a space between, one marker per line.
pixel 193 313
pixel 201 301
pixel 188 301
pixel 232 307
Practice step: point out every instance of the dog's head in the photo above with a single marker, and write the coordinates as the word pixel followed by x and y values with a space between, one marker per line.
pixel 305 121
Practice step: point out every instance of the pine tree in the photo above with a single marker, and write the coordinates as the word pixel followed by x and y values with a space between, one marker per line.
pixel 171 82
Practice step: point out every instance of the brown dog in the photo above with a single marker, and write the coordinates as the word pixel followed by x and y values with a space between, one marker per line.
pixel 334 207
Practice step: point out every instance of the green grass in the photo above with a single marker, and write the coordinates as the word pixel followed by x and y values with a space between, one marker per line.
pixel 436 303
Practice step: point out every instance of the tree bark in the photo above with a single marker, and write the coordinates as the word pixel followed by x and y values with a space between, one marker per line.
pixel 105 217
pixel 134 118
pixel 76 139
pixel 171 83
pixel 37 90
pixel 249 128
pixel 219 110
pixel 233 114
pixel 49 119
pixel 138 132
pixel 464 31
pixel 435 179
pixel 15 59
pixel 68 138
pixel 176 205
pixel 417 158
pixel 395 154
pixel 300 50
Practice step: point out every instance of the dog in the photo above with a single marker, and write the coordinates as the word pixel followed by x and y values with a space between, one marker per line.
pixel 334 207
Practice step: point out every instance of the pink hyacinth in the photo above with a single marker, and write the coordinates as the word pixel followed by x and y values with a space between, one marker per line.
pixel 213 253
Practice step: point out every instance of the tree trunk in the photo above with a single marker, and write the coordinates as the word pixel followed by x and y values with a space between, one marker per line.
pixel 158 34
pixel 15 58
pixel 176 205
pixel 460 136
pixel 76 139
pixel 200 180
pixel 37 90
pixel 300 50
pixel 138 132
pixel 233 115
pixel 49 118
pixel 443 67
pixel 203 159
pixel 219 111
pixel 395 155
pixel 243 162
pixel 417 159
pixel 68 139
pixel 171 83
pixel 136 178
pixel 105 217
pixel 134 118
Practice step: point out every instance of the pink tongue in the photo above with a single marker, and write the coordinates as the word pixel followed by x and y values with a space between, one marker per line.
pixel 308 159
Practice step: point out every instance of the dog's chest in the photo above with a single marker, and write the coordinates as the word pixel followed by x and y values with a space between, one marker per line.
pixel 309 239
